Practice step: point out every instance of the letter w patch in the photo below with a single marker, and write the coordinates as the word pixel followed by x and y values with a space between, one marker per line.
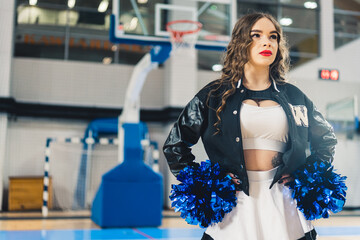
pixel 300 115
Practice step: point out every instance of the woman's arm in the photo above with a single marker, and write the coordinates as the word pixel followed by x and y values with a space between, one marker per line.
pixel 185 133
pixel 321 134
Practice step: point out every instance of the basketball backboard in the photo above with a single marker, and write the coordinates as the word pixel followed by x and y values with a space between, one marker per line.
pixel 144 21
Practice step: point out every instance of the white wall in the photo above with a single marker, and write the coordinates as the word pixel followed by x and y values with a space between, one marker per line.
pixel 80 83
pixel 27 140
pixel 347 163
pixel 321 92
pixel 87 84
pixel 343 58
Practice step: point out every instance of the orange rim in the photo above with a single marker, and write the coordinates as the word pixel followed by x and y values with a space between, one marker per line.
pixel 180 33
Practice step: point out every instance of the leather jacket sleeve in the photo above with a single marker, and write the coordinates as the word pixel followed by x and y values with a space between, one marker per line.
pixel 321 134
pixel 185 133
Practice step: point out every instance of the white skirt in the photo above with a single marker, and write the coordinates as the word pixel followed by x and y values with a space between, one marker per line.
pixel 267 214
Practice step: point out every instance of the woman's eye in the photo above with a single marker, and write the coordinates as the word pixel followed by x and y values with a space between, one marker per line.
pixel 256 35
pixel 275 37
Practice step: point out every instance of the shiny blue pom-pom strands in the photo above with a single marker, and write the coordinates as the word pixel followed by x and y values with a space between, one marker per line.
pixel 203 197
pixel 318 189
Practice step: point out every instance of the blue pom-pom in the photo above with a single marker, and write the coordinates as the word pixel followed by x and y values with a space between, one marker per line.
pixel 318 189
pixel 204 196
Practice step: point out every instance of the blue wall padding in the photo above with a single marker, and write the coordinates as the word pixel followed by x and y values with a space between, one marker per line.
pixel 160 54
pixel 131 194
pixel 102 126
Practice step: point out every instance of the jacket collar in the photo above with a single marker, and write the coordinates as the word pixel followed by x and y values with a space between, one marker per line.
pixel 274 85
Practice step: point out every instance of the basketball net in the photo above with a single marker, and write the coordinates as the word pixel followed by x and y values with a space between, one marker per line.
pixel 183 35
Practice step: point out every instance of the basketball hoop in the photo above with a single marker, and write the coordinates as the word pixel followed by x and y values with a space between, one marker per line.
pixel 183 33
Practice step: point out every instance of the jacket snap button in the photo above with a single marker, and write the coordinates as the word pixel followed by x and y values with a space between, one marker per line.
pixel 237 139
pixel 234 112
pixel 242 90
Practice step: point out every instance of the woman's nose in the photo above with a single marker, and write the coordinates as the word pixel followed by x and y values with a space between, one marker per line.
pixel 266 43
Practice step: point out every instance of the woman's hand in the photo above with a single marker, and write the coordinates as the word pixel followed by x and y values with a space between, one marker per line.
pixel 235 178
pixel 286 178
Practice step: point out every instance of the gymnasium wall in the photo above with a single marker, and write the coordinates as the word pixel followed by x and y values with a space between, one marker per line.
pixel 345 59
pixel 93 84
pixel 80 83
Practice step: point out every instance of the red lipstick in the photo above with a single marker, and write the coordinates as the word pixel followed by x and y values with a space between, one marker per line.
pixel 266 53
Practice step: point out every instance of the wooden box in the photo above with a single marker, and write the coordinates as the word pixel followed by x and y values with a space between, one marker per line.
pixel 26 193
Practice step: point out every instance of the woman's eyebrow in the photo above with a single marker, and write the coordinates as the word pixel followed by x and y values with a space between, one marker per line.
pixel 256 30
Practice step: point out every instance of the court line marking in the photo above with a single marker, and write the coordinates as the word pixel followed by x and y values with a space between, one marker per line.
pixel 154 233
pixel 142 233
pixel 338 231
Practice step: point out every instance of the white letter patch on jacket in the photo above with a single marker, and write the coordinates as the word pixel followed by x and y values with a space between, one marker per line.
pixel 300 115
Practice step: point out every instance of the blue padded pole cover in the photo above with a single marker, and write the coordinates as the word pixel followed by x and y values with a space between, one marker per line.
pixel 131 194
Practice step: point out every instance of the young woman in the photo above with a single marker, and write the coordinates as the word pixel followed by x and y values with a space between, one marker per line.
pixel 257 127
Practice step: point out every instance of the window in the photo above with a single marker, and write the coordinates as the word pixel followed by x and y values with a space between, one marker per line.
pixel 346 21
pixel 52 29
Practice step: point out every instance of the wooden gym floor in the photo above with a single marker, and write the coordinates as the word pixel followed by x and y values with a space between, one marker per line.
pixel 78 226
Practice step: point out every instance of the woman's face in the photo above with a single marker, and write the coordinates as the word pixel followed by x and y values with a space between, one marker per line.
pixel 264 47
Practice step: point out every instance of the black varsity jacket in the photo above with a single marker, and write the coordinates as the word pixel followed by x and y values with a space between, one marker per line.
pixel 306 125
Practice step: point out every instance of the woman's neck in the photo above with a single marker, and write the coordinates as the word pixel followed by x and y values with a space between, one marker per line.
pixel 256 78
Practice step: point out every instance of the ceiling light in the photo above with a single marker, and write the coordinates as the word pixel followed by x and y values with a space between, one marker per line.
pixel 213 7
pixel 114 47
pixel 142 1
pixel 310 5
pixel 286 21
pixel 107 60
pixel 71 3
pixel 217 67
pixel 103 6
pixel 133 23
pixel 32 2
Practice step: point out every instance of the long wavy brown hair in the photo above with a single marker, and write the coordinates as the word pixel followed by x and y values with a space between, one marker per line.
pixel 237 55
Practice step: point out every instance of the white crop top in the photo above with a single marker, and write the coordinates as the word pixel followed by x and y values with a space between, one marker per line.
pixel 264 128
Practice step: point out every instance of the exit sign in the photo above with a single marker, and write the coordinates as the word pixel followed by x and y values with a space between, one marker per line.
pixel 329 74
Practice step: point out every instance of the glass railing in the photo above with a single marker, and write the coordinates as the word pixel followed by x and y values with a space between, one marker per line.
pixel 57 32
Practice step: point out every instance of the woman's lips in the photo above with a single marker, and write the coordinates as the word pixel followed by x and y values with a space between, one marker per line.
pixel 266 53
